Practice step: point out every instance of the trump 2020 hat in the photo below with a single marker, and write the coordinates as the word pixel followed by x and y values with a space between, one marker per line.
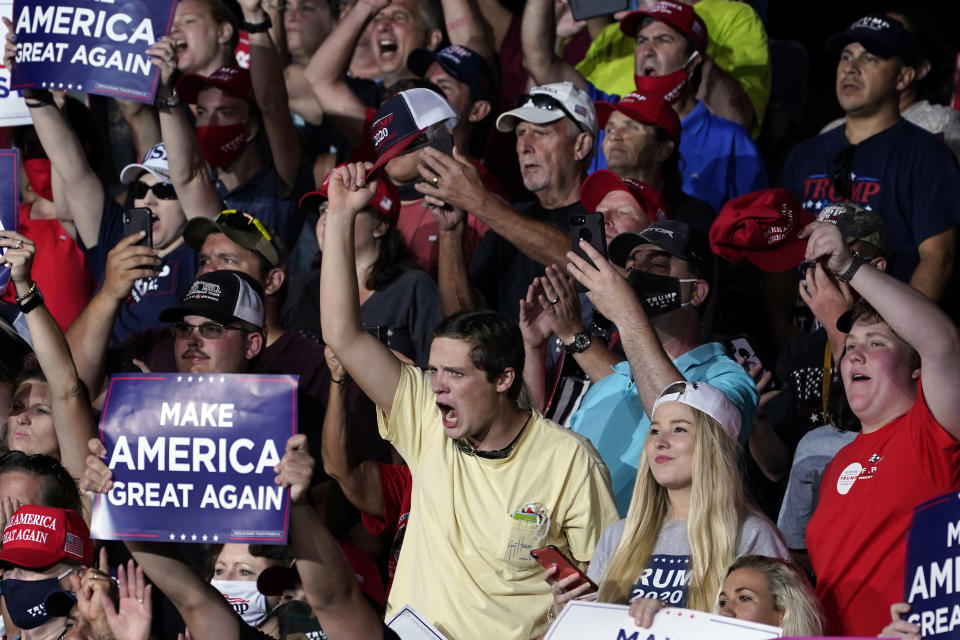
pixel 223 296
pixel 461 63
pixel 38 536
pixel 762 227
pixel 231 80
pixel 644 107
pixel 409 120
pixel 386 201
pixel 879 34
pixel 549 103
pixel 706 398
pixel 673 13
pixel 154 162
pixel 601 182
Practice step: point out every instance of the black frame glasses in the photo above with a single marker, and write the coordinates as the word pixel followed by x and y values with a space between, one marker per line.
pixel 842 168
pixel 162 190
pixel 208 330
pixel 548 103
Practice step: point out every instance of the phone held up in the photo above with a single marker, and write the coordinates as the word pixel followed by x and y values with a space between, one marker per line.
pixel 139 219
pixel 589 227
pixel 550 555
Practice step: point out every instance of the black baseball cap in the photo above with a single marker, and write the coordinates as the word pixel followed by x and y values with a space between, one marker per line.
pixel 673 236
pixel 879 34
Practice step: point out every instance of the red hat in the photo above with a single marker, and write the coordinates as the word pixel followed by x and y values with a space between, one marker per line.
pixel 38 536
pixel 762 227
pixel 644 107
pixel 600 183
pixel 672 13
pixel 273 581
pixel 231 80
pixel 385 201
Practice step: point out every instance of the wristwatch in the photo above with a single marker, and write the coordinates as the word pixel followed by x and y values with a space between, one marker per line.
pixel 852 268
pixel 30 300
pixel 170 101
pixel 257 27
pixel 580 342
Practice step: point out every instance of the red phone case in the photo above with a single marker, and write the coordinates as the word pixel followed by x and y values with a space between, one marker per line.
pixel 548 556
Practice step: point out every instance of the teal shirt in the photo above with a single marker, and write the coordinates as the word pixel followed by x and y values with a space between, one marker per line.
pixel 612 417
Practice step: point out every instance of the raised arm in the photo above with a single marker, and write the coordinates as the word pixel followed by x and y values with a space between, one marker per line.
pixel 188 170
pixel 89 335
pixel 459 185
pixel 270 91
pixel 465 26
pixel 62 146
pixel 327 71
pixel 72 417
pixel 360 482
pixel 329 582
pixel 651 368
pixel 538 37
pixel 143 124
pixel 932 274
pixel 371 364
pixel 910 314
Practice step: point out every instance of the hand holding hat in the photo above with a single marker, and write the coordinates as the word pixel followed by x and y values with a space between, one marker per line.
pixel 824 241
pixel 348 190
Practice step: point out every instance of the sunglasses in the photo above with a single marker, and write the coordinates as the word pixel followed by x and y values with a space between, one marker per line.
pixel 162 190
pixel 242 221
pixel 208 330
pixel 548 103
pixel 39 462
pixel 842 168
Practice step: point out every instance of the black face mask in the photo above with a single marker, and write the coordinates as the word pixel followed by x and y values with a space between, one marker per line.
pixel 32 603
pixel 658 294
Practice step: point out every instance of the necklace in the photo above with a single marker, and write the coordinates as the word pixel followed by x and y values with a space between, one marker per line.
pixel 496 454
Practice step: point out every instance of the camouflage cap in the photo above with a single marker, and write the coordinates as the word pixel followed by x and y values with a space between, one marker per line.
pixel 858 225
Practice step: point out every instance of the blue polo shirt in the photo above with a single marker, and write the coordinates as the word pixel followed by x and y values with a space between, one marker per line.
pixel 613 419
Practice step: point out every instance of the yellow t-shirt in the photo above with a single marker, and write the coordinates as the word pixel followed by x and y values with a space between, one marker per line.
pixel 737 44
pixel 465 564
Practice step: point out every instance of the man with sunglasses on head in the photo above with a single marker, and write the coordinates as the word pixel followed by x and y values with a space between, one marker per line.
pixel 556 126
pixel 880 161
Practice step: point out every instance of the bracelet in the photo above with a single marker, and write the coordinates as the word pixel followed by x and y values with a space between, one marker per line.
pixel 32 290
pixel 257 27
pixel 340 381
pixel 551 614
pixel 40 99
pixel 170 101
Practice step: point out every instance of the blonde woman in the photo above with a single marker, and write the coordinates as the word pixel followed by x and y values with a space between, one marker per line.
pixel 771 591
pixel 688 518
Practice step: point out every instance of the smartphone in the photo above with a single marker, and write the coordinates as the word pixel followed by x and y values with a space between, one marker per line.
pixel 548 556
pixel 584 9
pixel 740 346
pixel 379 332
pixel 589 227
pixel 140 219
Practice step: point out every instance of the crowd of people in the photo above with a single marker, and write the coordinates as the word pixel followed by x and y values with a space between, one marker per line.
pixel 544 281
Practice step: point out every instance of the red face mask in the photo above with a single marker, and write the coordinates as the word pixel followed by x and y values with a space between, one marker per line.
pixel 221 144
pixel 38 173
pixel 669 86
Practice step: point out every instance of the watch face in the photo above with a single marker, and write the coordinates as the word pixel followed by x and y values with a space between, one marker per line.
pixel 580 342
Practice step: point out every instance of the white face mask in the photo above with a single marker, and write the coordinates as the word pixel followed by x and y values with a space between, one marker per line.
pixel 242 595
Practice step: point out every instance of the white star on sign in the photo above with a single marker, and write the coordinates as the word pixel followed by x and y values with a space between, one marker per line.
pixel 216 537
pixel 183 536
pixel 179 378
pixel 173 537
pixel 204 537
pixel 199 378
pixel 194 537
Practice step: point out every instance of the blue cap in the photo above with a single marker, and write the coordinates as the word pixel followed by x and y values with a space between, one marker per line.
pixel 879 34
pixel 462 63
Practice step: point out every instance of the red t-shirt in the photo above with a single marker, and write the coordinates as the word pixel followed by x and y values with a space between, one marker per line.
pixel 395 484
pixel 857 537
pixel 59 268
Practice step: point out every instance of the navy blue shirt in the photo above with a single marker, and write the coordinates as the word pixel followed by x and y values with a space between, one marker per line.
pixel 904 174
pixel 149 296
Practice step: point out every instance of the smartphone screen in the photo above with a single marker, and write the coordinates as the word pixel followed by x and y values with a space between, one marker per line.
pixel 140 219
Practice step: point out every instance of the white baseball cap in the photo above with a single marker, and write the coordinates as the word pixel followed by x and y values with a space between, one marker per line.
pixel 154 162
pixel 706 398
pixel 549 103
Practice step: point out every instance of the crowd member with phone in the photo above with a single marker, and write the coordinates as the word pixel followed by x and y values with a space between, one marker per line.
pixel 658 312
pixel 670 42
pixel 484 489
pixel 688 517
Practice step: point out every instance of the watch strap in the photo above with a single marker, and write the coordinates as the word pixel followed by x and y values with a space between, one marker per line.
pixel 257 27
pixel 852 268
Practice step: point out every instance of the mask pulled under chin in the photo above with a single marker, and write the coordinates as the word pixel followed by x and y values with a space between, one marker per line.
pixel 242 595
pixel 658 294
pixel 32 603
pixel 221 144
pixel 669 86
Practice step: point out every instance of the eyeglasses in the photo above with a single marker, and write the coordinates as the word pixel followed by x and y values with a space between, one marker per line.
pixel 242 221
pixel 549 103
pixel 208 330
pixel 162 190
pixel 842 168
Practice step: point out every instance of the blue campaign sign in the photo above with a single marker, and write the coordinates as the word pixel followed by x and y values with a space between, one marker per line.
pixel 932 578
pixel 192 457
pixel 8 202
pixel 94 46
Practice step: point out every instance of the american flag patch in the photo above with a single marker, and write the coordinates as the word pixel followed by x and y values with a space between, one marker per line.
pixel 73 545
pixel 580 110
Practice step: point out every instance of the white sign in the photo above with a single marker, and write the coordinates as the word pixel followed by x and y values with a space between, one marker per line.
pixel 13 110
pixel 410 626
pixel 603 621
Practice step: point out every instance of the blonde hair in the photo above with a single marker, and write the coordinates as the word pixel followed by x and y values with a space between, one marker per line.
pixel 791 594
pixel 717 507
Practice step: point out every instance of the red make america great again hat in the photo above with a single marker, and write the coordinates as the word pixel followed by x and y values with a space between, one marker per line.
pixel 38 536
